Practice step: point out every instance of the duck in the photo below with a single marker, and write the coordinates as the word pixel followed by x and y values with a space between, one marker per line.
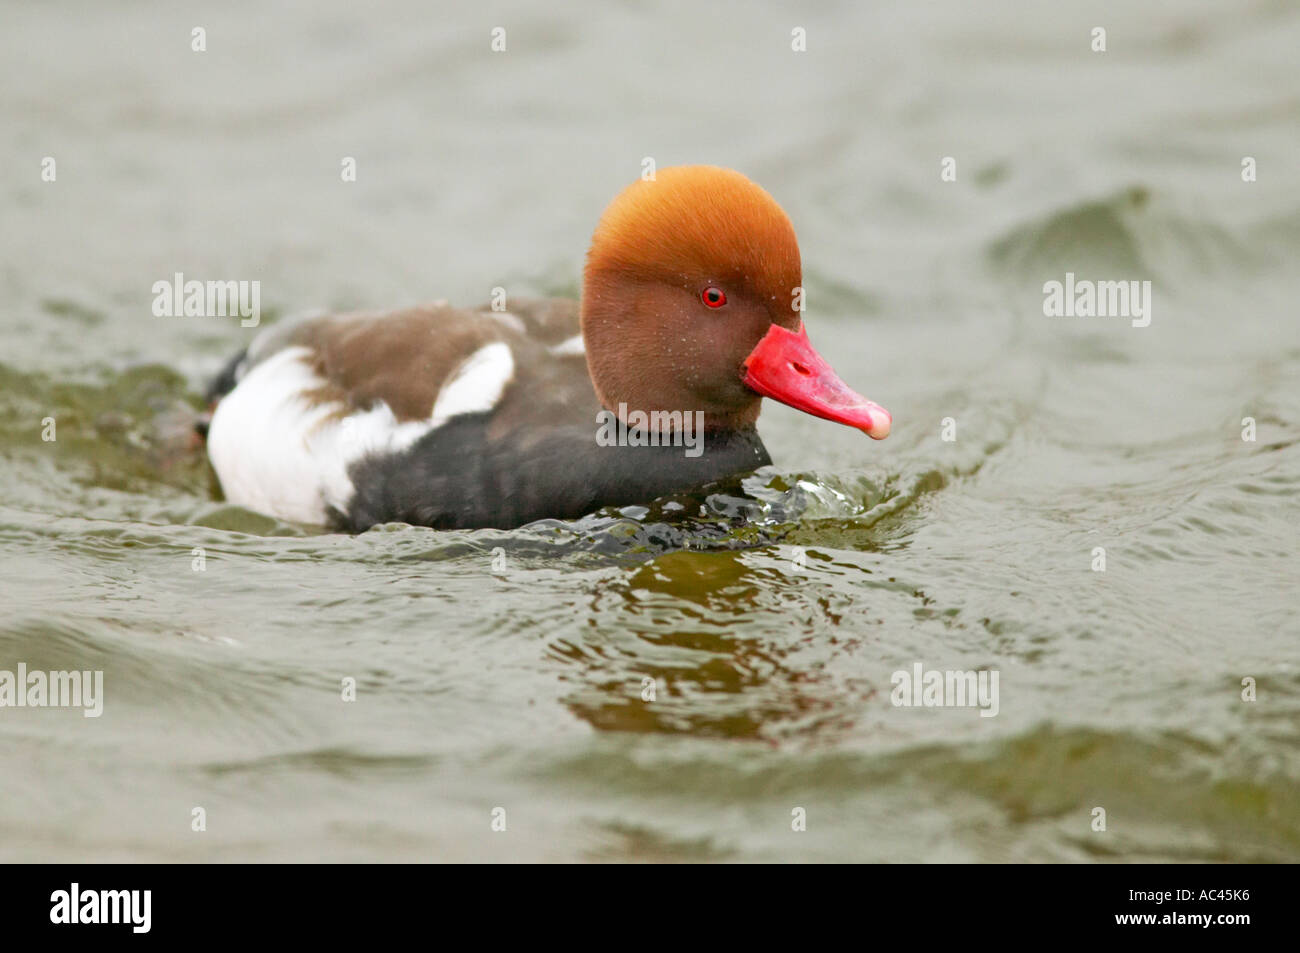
pixel 527 409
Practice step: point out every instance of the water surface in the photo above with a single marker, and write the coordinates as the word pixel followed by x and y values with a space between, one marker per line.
pixel 520 687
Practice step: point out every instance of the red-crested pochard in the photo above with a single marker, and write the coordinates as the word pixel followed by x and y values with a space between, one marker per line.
pixel 454 417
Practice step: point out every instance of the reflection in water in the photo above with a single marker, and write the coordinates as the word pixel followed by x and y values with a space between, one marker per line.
pixel 726 645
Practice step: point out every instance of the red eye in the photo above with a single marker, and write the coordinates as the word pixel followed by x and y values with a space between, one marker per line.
pixel 713 297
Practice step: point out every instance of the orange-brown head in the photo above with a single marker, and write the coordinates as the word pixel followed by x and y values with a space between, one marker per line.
pixel 690 302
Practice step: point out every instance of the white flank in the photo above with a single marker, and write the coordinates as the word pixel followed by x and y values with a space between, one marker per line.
pixel 570 347
pixel 477 385
pixel 278 453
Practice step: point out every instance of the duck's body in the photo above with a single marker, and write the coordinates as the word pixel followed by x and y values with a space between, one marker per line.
pixel 458 418
pixel 328 421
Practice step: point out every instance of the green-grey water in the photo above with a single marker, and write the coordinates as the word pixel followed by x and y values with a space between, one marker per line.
pixel 506 669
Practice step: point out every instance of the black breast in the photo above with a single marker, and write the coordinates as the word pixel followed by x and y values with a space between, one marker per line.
pixel 459 477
